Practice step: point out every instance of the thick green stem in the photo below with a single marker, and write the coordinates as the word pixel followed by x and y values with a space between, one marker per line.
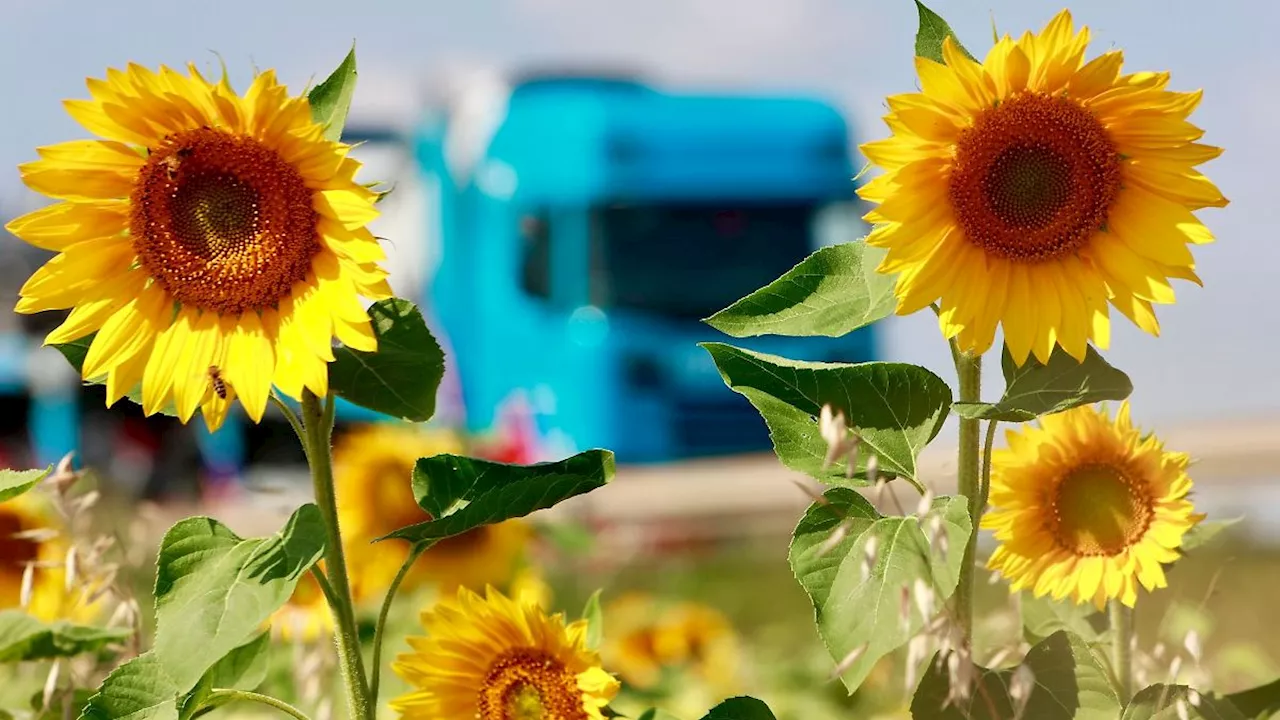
pixel 318 422
pixel 1122 647
pixel 221 697
pixel 414 553
pixel 969 371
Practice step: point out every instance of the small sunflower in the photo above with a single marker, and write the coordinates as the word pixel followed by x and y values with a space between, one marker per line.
pixel 487 555
pixel 32 535
pixel 493 658
pixel 1032 189
pixel 216 244
pixel 306 617
pixel 1087 508
pixel 645 638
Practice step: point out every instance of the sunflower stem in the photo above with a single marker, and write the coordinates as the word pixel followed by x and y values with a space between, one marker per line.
pixel 317 419
pixel 1121 647
pixel 969 372
pixel 220 696
pixel 376 676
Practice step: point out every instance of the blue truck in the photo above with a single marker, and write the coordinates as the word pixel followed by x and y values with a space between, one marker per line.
pixel 580 228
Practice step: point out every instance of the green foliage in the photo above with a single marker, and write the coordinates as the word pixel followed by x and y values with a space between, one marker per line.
pixel 594 616
pixel 16 482
pixel 740 708
pixel 1206 532
pixel 75 353
pixel 244 668
pixel 854 610
pixel 1034 389
pixel 331 99
pixel 1068 680
pixel 463 493
pixel 933 30
pixel 402 377
pixel 1160 702
pixel 895 408
pixel 1259 702
pixel 23 638
pixel 656 714
pixel 213 592
pixel 1044 616
pixel 831 293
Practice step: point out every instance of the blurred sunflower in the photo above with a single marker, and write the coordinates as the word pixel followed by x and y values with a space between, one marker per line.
pixel 1031 189
pixel 215 243
pixel 493 658
pixel 372 470
pixel 32 534
pixel 1087 508
pixel 645 638
pixel 306 617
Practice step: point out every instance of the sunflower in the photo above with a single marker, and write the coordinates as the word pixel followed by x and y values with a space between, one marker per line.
pixel 645 638
pixel 493 658
pixel 33 535
pixel 1087 508
pixel 1031 189
pixel 306 616
pixel 216 244
pixel 373 466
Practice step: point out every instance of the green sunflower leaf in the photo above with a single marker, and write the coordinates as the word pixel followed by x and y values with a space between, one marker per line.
pixel 740 708
pixel 331 99
pixel 401 378
pixel 1173 702
pixel 933 30
pixel 75 353
pixel 244 668
pixel 140 689
pixel 594 616
pixel 16 482
pixel 1206 532
pixel 1043 616
pixel 895 408
pixel 831 293
pixel 1064 383
pixel 463 493
pixel 860 613
pixel 1068 680
pixel 24 638
pixel 1259 702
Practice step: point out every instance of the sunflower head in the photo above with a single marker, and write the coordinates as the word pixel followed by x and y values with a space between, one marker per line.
pixel 1036 189
pixel 32 535
pixel 493 658
pixel 645 638
pixel 1087 508
pixel 215 243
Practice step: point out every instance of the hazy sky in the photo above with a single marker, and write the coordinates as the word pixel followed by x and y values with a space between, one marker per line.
pixel 851 51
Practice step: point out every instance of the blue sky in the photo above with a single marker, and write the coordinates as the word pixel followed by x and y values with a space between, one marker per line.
pixel 1216 356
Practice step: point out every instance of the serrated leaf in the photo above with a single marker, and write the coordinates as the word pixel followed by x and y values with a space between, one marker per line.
pixel 853 610
pixel 1069 682
pixel 1206 532
pixel 140 689
pixel 331 99
pixel 463 493
pixel 1160 702
pixel 831 293
pixel 1034 389
pixel 1044 616
pixel 895 408
pixel 1259 702
pixel 740 708
pixel 24 638
pixel 75 352
pixel 595 621
pixel 932 31
pixel 16 482
pixel 244 668
pixel 402 377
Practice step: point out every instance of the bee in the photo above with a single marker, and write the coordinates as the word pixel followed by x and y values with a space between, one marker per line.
pixel 219 384
pixel 174 161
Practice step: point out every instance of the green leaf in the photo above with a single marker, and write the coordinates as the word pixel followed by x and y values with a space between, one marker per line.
pixel 656 714
pixel 740 708
pixel 1160 702
pixel 140 689
pixel 23 638
pixel 244 668
pixel 402 377
pixel 75 352
pixel 895 408
pixel 855 611
pixel 933 29
pixel 79 698
pixel 1206 533
pixel 831 293
pixel 463 493
pixel 1043 616
pixel 331 99
pixel 1259 702
pixel 16 482
pixel 595 620
pixel 1034 389
pixel 1069 681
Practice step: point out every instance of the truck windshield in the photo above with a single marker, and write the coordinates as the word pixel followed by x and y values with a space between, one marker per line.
pixel 691 260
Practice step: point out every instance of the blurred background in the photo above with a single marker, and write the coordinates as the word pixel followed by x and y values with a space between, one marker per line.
pixel 576 184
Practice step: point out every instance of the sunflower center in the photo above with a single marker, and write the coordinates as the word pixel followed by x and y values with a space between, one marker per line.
pixel 1034 178
pixel 1099 510
pixel 222 222
pixel 528 684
